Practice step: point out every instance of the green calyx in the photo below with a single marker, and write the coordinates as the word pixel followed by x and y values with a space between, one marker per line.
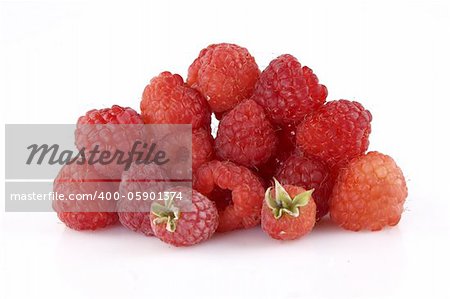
pixel 283 203
pixel 167 213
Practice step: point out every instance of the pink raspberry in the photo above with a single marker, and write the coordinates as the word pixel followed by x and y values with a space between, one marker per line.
pixel 136 188
pixel 111 129
pixel 181 226
pixel 82 180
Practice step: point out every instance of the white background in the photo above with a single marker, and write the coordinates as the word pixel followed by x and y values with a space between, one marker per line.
pixel 60 59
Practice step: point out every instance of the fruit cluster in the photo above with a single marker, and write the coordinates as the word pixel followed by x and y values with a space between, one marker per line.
pixel 283 157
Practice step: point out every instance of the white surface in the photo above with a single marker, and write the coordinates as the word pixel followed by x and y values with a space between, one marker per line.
pixel 59 59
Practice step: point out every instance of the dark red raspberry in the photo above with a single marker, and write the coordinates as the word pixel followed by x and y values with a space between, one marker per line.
pixel 82 180
pixel 336 133
pixel 111 129
pixel 237 192
pixel 168 100
pixel 219 115
pixel 288 91
pixel 136 189
pixel 225 74
pixel 288 212
pixel 286 137
pixel 286 146
pixel 369 193
pixel 308 173
pixel 186 226
pixel 267 170
pixel 245 136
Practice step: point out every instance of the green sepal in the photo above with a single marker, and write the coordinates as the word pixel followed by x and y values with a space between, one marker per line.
pixel 302 199
pixel 167 213
pixel 283 203
pixel 281 195
pixel 269 199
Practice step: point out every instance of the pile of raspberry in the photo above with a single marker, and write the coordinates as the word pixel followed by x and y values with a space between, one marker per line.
pixel 283 156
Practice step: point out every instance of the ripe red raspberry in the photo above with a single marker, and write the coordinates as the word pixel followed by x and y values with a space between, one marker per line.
pixel 336 133
pixel 180 226
pixel 136 189
pixel 288 212
pixel 115 115
pixel 225 74
pixel 237 192
pixel 78 180
pixel 202 148
pixel 369 193
pixel 107 128
pixel 168 100
pixel 245 136
pixel 288 91
pixel 308 173
pixel 185 161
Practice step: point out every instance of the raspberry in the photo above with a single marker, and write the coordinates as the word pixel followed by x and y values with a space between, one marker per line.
pixel 110 129
pixel 237 192
pixel 308 173
pixel 115 115
pixel 184 161
pixel 267 170
pixel 202 148
pixel 288 212
pixel 83 180
pixel 178 227
pixel 245 136
pixel 288 91
pixel 168 100
pixel 336 133
pixel 225 74
pixel 285 147
pixel 139 180
pixel 369 193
